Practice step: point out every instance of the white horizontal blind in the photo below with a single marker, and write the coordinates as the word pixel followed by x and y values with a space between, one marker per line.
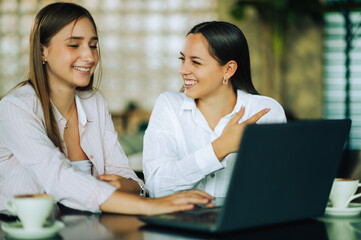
pixel 342 97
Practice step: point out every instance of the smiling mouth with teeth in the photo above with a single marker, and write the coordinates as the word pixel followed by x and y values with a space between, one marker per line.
pixel 83 69
pixel 190 82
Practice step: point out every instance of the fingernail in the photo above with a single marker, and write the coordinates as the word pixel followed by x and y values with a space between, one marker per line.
pixel 268 109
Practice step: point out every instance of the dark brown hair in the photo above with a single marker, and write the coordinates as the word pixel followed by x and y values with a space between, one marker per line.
pixel 227 42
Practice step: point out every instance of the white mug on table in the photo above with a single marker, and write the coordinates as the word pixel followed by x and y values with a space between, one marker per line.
pixel 343 192
pixel 32 209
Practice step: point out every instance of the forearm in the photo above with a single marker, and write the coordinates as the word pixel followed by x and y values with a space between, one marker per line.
pixel 219 149
pixel 125 203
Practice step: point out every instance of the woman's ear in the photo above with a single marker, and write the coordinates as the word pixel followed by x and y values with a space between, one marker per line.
pixel 231 68
pixel 44 51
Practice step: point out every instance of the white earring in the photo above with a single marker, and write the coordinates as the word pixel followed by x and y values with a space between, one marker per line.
pixel 225 80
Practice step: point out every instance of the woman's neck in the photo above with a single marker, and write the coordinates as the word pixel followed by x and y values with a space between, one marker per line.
pixel 63 100
pixel 216 107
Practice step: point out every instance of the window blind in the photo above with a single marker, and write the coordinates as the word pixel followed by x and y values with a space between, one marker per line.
pixel 342 70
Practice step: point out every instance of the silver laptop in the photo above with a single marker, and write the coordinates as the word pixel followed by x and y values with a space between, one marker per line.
pixel 283 172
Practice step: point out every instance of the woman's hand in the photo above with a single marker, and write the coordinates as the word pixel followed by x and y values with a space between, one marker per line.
pixel 232 134
pixel 123 184
pixel 177 202
pixel 125 203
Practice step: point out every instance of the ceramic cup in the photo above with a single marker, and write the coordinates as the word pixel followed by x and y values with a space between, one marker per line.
pixel 32 209
pixel 343 192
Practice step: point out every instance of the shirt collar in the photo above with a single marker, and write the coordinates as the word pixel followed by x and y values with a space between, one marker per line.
pixel 240 102
pixel 189 104
pixel 82 116
pixel 57 114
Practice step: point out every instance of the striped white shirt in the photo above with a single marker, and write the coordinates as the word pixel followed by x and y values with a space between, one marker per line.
pixel 30 163
pixel 178 154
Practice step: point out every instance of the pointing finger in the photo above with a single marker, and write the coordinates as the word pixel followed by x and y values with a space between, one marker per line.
pixel 257 116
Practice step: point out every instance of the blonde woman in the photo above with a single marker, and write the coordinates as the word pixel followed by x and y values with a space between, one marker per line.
pixel 57 135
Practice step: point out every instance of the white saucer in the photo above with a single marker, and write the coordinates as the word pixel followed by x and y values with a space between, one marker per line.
pixel 352 210
pixel 16 230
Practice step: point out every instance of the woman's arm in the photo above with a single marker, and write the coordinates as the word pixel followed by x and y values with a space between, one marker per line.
pixel 166 171
pixel 126 203
pixel 36 164
pixel 167 166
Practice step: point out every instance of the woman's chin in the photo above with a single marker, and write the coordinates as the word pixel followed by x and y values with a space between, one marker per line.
pixel 188 93
pixel 81 84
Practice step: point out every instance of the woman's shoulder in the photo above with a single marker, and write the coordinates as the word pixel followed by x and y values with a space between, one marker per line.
pixel 265 101
pixel 258 100
pixel 21 102
pixel 255 103
pixel 167 103
pixel 172 98
pixel 23 96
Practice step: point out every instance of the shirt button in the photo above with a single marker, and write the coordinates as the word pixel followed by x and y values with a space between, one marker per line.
pixel 212 175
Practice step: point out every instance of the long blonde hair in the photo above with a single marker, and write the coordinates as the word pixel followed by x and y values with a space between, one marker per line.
pixel 49 21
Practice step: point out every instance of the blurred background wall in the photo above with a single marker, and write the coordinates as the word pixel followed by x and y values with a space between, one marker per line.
pixel 299 56
pixel 286 54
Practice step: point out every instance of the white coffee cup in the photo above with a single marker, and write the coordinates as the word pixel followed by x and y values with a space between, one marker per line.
pixel 32 209
pixel 343 192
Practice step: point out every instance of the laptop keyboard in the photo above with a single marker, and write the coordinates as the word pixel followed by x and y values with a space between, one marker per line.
pixel 198 216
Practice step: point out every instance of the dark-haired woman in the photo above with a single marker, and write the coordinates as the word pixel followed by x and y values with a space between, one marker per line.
pixel 56 133
pixel 193 135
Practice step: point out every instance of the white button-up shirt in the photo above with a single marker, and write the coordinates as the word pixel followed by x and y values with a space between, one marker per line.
pixel 178 154
pixel 30 163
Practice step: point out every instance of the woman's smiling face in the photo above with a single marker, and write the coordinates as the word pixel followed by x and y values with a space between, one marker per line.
pixel 202 75
pixel 72 55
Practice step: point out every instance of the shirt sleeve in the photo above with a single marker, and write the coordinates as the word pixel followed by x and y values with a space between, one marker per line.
pixel 23 134
pixel 116 162
pixel 167 171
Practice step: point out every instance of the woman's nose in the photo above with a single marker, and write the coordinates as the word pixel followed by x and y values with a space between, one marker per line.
pixel 88 55
pixel 183 70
